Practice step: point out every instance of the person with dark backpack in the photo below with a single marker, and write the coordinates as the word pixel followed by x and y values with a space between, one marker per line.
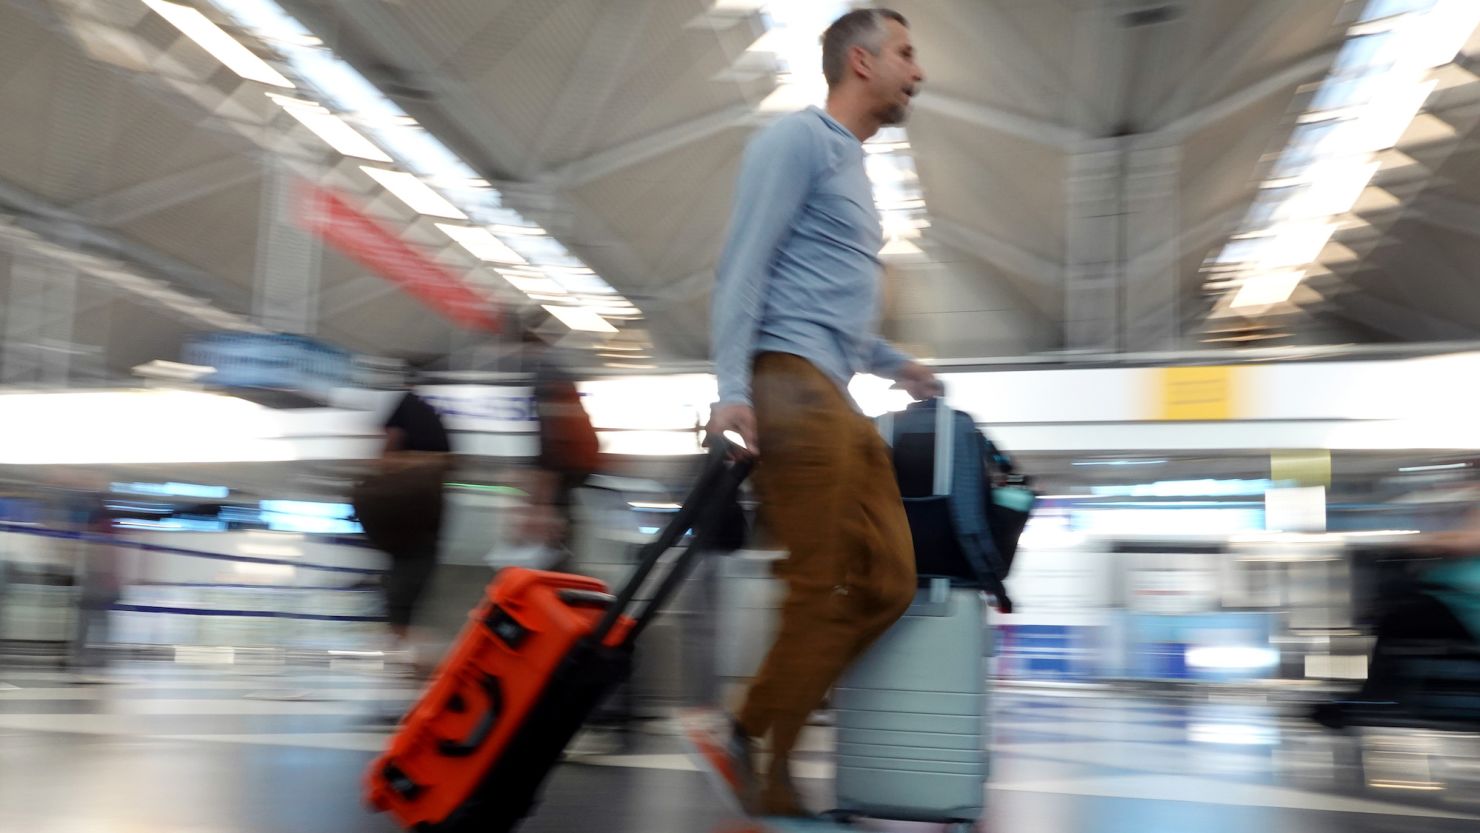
pixel 569 453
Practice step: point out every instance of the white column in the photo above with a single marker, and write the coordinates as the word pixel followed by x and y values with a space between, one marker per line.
pixel 1093 243
pixel 288 260
pixel 1152 298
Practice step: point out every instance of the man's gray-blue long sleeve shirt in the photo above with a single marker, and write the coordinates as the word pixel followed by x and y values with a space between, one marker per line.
pixel 800 269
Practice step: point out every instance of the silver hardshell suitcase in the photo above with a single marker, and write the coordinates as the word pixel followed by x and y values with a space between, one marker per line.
pixel 912 715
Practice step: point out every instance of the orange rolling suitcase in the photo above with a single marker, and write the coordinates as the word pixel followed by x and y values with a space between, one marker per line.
pixel 537 656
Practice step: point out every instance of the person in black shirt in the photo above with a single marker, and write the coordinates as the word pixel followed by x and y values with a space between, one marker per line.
pixel 400 508
pixel 416 426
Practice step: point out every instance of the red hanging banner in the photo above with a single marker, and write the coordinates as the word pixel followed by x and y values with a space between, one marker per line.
pixel 377 248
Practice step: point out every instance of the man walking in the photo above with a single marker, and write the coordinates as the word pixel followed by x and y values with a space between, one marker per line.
pixel 794 318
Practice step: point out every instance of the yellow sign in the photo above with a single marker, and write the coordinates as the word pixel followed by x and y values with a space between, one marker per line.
pixel 1197 393
pixel 1305 468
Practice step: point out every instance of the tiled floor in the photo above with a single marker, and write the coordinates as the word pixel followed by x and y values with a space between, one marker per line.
pixel 169 748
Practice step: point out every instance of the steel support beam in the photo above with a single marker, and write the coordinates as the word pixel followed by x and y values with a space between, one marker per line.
pixel 1398 320
pixel 1309 68
pixel 996 251
pixel 1448 213
pixel 571 119
pixel 1233 46
pixel 998 120
pixel 629 154
pixel 59 225
pixel 179 188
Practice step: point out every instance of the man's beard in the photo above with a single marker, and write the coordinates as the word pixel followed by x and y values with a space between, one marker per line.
pixel 894 114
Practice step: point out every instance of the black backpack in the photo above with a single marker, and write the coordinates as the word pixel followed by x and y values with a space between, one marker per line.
pixel 966 506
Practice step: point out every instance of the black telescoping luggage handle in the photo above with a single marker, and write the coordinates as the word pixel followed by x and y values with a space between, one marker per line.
pixel 717 485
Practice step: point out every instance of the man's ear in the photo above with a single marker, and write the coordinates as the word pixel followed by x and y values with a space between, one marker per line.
pixel 861 61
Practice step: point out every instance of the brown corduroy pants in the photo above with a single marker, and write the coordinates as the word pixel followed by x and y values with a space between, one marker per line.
pixel 828 493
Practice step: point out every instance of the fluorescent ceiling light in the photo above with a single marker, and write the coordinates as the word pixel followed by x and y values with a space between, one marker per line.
pixel 528 284
pixel 447 186
pixel 792 96
pixel 1266 289
pixel 612 310
pixel 214 40
pixel 580 318
pixel 1294 244
pixel 162 369
pixel 1439 467
pixel 1372 100
pixel 335 131
pixel 889 168
pixel 267 19
pixel 1379 9
pixel 1384 121
pixel 1332 188
pixel 1118 462
pixel 899 203
pixel 899 224
pixel 172 489
pixel 583 283
pixel 481 244
pixel 900 247
pixel 1442 32
pixel 776 41
pixel 417 195
pixel 740 6
pixel 528 231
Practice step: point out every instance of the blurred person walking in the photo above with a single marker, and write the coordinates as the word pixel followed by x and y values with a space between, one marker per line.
pixel 78 510
pixel 100 583
pixel 400 507
pixel 569 453
pixel 794 318
pixel 1425 659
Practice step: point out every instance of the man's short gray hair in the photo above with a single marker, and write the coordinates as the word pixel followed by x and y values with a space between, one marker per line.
pixel 864 27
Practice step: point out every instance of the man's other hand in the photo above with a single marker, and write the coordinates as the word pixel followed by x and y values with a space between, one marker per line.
pixel 920 381
pixel 736 417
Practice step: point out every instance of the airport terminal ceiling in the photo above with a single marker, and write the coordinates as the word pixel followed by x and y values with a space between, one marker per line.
pixel 1070 178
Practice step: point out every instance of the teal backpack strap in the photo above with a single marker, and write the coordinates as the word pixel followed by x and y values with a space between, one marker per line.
pixel 945 448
